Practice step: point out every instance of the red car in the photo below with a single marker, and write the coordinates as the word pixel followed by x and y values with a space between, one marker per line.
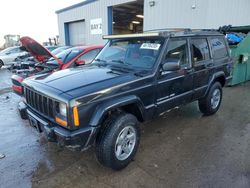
pixel 49 63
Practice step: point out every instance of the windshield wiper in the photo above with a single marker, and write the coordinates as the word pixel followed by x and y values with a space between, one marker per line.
pixel 101 60
pixel 138 74
pixel 121 69
pixel 126 70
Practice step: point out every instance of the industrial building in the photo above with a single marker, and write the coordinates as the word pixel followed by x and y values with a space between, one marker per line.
pixel 86 22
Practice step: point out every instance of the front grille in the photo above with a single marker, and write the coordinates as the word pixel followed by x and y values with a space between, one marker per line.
pixel 41 103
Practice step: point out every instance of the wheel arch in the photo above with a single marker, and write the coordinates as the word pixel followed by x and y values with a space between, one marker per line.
pixel 217 77
pixel 130 104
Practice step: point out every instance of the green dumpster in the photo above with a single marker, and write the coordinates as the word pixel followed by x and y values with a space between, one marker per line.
pixel 241 55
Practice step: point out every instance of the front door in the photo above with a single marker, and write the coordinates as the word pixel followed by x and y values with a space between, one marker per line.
pixel 175 87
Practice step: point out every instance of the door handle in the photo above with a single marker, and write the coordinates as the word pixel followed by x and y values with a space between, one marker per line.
pixel 188 70
pixel 210 64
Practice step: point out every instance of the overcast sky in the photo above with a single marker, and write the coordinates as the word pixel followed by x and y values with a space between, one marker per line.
pixel 34 18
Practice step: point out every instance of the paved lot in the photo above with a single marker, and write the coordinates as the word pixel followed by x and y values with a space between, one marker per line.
pixel 180 149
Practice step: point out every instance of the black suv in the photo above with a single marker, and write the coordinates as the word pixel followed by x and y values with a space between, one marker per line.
pixel 133 79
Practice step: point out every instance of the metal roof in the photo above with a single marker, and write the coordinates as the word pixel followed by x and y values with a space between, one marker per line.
pixel 75 6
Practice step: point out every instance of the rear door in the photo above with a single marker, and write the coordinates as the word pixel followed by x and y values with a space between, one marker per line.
pixel 175 87
pixel 202 63
pixel 220 54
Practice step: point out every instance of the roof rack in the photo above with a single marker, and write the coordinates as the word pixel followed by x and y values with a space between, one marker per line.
pixel 166 32
pixel 169 29
pixel 155 34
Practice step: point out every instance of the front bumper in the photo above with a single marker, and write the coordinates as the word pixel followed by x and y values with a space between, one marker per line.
pixel 22 108
pixel 77 140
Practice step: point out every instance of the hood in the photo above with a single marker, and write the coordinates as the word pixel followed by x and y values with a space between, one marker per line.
pixel 39 52
pixel 82 80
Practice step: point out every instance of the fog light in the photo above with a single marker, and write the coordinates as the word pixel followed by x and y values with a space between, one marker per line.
pixel 61 122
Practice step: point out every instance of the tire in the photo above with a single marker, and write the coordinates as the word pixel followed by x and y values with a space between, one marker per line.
pixel 23 115
pixel 111 143
pixel 211 103
pixel 1 63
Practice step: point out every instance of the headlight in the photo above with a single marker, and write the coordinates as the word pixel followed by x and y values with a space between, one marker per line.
pixel 61 116
pixel 63 109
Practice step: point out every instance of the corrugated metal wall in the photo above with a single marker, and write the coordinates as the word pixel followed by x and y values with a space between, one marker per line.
pixel 204 14
pixel 90 11
pixel 165 14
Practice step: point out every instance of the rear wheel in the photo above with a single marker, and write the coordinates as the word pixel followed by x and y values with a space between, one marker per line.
pixel 1 63
pixel 118 143
pixel 211 103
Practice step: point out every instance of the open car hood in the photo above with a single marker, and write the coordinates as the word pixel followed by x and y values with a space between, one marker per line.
pixel 39 52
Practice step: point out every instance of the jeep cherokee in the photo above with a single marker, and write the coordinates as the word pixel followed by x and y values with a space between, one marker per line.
pixel 134 78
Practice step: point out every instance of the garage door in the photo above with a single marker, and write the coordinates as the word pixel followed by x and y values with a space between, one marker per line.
pixel 77 33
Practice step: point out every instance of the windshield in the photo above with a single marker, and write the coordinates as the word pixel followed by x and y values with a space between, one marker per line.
pixel 51 48
pixel 138 53
pixel 59 50
pixel 66 56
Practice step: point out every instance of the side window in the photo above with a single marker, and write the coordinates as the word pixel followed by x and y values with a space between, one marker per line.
pixel 219 48
pixel 199 50
pixel 177 51
pixel 89 56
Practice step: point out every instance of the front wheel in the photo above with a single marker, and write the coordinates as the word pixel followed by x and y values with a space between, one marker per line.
pixel 211 103
pixel 118 142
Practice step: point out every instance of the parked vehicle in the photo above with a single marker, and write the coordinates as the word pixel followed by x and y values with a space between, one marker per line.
pixel 48 62
pixel 133 79
pixel 51 48
pixel 27 61
pixel 60 49
pixel 8 56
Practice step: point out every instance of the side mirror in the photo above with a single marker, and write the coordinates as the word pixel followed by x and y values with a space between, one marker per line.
pixel 80 62
pixel 171 65
pixel 7 53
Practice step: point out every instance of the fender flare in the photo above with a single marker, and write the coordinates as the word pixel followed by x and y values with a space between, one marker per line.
pixel 214 77
pixel 102 109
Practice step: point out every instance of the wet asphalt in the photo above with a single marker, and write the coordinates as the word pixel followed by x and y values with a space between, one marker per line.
pixel 179 149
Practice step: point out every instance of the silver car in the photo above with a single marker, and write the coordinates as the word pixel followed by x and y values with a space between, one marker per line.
pixel 8 55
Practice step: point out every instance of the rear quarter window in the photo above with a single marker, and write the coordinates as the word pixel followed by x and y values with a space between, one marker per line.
pixel 219 48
